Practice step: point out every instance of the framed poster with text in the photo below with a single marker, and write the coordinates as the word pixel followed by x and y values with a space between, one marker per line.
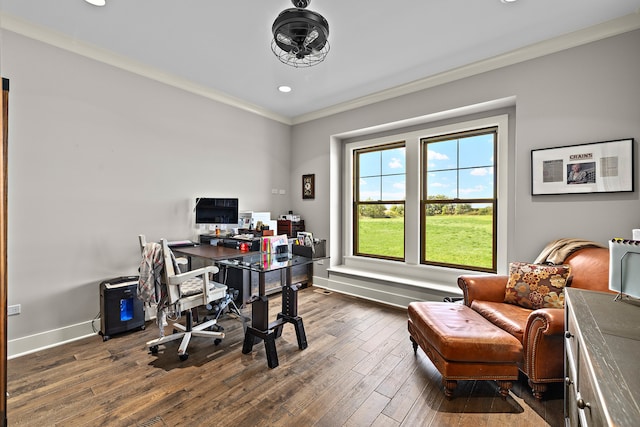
pixel 598 167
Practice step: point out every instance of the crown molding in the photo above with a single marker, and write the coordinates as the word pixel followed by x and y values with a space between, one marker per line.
pixel 577 38
pixel 57 39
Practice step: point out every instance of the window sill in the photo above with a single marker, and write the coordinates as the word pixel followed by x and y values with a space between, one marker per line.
pixel 447 288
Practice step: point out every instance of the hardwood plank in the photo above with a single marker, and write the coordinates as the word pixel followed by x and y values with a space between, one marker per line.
pixel 359 369
pixel 368 412
pixel 383 421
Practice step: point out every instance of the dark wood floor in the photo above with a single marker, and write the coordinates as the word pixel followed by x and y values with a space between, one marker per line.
pixel 359 370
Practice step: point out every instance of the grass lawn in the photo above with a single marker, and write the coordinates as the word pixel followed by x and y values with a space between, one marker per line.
pixel 450 239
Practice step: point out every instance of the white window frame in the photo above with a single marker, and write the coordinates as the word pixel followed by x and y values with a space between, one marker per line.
pixel 411 269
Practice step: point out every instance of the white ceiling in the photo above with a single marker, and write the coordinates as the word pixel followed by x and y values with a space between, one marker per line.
pixel 221 49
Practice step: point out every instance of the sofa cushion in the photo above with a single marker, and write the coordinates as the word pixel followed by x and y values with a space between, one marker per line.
pixel 536 285
pixel 512 318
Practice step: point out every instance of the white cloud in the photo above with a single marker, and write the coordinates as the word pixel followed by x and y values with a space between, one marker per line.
pixel 395 163
pixel 434 155
pixel 476 189
pixel 481 171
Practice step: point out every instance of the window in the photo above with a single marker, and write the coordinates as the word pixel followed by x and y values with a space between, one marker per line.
pixel 459 198
pixel 378 206
pixel 394 201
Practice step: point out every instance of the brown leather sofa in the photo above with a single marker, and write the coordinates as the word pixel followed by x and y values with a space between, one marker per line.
pixel 540 331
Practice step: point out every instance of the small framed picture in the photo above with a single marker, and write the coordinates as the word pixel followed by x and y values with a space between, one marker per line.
pixel 308 186
pixel 598 167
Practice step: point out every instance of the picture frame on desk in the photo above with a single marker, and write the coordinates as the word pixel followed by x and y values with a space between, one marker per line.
pixel 308 186
pixel 597 167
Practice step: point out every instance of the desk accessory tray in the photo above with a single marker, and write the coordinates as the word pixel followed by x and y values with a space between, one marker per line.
pixel 318 250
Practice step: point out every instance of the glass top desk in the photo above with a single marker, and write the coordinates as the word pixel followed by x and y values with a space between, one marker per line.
pixel 261 329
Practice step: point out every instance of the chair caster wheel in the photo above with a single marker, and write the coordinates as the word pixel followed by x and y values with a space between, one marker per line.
pixel 217 341
pixel 183 356
pixel 153 349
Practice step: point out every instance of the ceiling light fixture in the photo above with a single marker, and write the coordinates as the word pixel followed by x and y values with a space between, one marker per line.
pixel 284 89
pixel 97 2
pixel 300 36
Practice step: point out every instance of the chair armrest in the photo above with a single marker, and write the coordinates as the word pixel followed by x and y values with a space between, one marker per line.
pixel 182 277
pixel 552 321
pixel 543 347
pixel 483 287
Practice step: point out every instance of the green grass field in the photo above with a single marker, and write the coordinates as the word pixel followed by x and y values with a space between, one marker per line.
pixel 450 239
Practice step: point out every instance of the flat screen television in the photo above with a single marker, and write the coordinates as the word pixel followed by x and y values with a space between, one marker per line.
pixel 216 211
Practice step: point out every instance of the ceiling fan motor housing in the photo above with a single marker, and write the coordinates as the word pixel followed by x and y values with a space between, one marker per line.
pixel 295 25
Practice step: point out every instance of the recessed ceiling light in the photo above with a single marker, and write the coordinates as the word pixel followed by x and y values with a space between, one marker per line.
pixel 97 2
pixel 508 1
pixel 284 89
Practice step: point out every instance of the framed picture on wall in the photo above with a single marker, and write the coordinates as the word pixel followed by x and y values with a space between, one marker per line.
pixel 308 186
pixel 597 167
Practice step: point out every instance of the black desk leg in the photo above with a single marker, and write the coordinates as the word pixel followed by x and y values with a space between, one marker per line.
pixel 269 337
pixel 259 330
pixel 270 349
pixel 290 314
pixel 297 323
pixel 249 340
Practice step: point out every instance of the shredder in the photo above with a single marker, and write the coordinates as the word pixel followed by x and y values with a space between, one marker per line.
pixel 120 309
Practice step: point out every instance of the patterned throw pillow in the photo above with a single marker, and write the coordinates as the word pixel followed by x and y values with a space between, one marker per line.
pixel 537 285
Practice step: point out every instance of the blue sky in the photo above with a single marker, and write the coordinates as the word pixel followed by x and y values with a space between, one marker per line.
pixel 382 173
pixel 473 156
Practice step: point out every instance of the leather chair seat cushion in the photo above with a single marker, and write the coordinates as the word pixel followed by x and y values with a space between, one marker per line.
pixel 461 334
pixel 508 317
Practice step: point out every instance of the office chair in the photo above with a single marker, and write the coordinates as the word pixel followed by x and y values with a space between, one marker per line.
pixel 180 261
pixel 178 293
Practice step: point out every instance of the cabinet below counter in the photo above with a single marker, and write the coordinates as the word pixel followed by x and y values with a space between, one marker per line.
pixel 602 344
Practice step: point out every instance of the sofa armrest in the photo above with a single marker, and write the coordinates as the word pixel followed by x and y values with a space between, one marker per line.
pixel 550 321
pixel 483 287
pixel 543 345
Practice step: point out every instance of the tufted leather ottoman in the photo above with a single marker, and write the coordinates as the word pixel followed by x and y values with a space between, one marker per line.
pixel 463 345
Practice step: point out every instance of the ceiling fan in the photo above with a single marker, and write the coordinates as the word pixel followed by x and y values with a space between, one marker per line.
pixel 300 36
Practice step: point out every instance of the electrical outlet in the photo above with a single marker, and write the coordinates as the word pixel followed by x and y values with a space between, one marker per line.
pixel 12 310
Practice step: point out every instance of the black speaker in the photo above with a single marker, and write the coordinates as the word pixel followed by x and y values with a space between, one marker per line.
pixel 120 308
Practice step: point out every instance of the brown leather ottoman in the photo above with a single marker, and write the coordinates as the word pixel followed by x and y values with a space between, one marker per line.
pixel 463 345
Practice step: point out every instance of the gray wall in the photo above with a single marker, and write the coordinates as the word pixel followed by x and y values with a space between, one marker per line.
pixel 97 156
pixel 585 94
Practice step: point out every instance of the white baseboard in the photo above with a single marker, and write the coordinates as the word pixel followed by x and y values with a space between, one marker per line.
pixel 395 294
pixel 55 337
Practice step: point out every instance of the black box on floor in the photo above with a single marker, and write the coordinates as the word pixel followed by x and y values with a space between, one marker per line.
pixel 120 308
